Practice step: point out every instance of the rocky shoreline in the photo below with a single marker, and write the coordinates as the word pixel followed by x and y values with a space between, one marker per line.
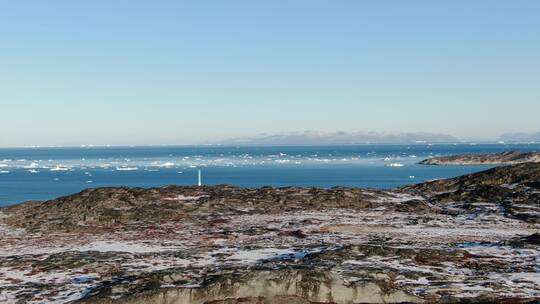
pixel 470 239
pixel 503 158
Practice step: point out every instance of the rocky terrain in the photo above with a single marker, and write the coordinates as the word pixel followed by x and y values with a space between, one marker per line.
pixel 503 158
pixel 470 239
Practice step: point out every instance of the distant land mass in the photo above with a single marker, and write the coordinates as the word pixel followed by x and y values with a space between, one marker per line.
pixel 520 137
pixel 340 138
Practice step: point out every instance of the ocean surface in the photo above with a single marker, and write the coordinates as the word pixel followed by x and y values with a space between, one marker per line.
pixel 46 173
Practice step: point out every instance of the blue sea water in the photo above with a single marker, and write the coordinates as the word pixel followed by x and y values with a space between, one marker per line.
pixel 46 173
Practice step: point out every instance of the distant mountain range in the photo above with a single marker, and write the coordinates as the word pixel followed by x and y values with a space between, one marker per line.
pixel 520 137
pixel 341 138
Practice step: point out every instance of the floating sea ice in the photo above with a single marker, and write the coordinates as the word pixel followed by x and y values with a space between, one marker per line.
pixel 395 165
pixel 33 165
pixel 33 171
pixel 126 168
pixel 59 168
pixel 4 172
pixel 282 161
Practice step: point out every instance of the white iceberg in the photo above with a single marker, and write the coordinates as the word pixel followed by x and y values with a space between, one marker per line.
pixel 33 165
pixel 59 168
pixel 126 168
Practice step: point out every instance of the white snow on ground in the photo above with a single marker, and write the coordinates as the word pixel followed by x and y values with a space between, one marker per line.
pixel 209 247
pixel 459 281
pixel 397 198
pixel 68 289
pixel 131 247
pixel 110 245
pixel 185 198
pixel 521 284
pixel 7 297
pixel 251 256
pixel 157 263
pixel 392 263
pixel 9 275
pixel 510 186
pixel 505 252
pixel 6 231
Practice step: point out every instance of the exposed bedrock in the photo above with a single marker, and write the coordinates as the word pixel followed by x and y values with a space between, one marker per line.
pixel 503 158
pixel 280 286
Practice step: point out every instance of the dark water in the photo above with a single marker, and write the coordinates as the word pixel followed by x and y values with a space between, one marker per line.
pixel 45 173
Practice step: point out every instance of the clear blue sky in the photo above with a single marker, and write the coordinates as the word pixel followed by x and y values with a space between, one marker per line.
pixel 178 72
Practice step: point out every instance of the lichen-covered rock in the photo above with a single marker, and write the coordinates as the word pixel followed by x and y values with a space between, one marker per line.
pixel 503 158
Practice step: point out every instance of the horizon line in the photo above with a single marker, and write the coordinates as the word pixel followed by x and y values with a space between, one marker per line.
pixel 464 142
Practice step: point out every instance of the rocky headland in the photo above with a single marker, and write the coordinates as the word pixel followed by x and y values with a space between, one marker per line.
pixel 503 158
pixel 469 239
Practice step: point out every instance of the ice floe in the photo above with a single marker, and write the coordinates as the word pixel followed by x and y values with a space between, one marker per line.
pixel 126 168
